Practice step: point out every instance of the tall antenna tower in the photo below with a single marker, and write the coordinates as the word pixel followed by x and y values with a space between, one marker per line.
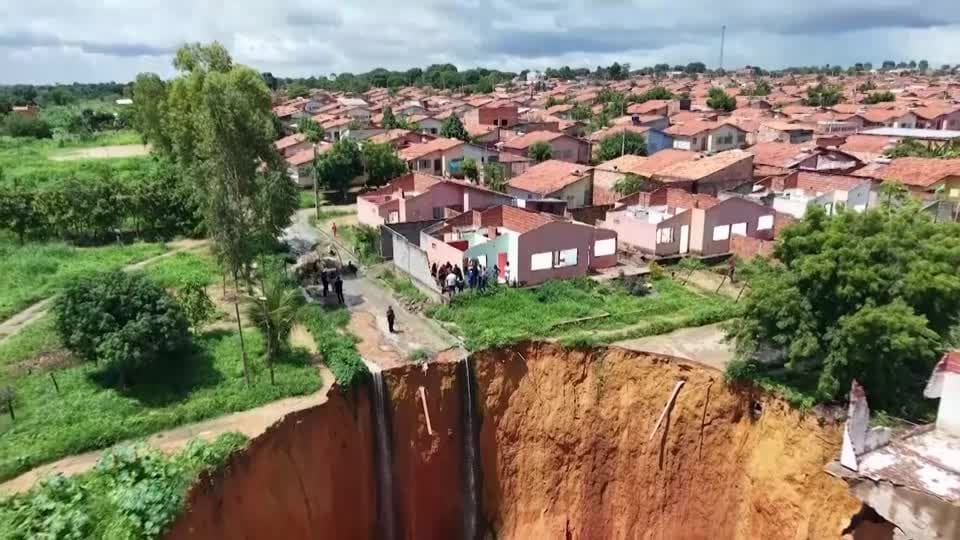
pixel 723 39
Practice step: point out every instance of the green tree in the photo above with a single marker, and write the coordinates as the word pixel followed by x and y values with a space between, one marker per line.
pixel 540 151
pixel 121 321
pixel 761 88
pixel 196 305
pixel 311 129
pixel 581 112
pixel 629 184
pixel 879 97
pixel 719 100
pixel 470 170
pixel 869 296
pixel 627 142
pixel 892 193
pixel 18 210
pixel 339 166
pixel 823 95
pixel 381 163
pixel 19 125
pixel 274 311
pixel 923 66
pixel 149 96
pixel 494 177
pixel 452 128
pixel 389 119
pixel 297 89
pixel 553 101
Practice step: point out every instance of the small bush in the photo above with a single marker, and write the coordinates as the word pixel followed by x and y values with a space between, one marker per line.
pixel 418 355
pixel 337 347
pixel 656 271
pixel 120 320
pixel 196 305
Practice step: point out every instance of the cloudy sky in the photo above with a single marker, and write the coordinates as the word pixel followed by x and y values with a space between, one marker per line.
pixel 44 41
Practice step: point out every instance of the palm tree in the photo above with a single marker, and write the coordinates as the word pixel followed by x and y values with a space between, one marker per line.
pixel 274 312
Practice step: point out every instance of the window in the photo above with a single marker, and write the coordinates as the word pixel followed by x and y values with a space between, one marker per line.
pixel 482 260
pixel 665 235
pixel 438 212
pixel 739 228
pixel 721 232
pixel 541 261
pixel 424 164
pixel 564 258
pixel 764 223
pixel 741 138
pixel 602 248
pixel 954 193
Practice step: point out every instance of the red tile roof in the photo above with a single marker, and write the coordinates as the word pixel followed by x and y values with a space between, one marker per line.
pixel 824 183
pixel 703 167
pixel 695 127
pixel 516 219
pixel 549 177
pixel 775 154
pixel 911 171
pixel 289 141
pixel 524 141
pixel 648 107
pixel 416 151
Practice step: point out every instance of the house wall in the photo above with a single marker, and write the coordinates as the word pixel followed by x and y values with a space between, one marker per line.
pixel 490 249
pixel 413 260
pixel 697 218
pixel 430 125
pixel 747 248
pixel 368 213
pixel 687 143
pixel 570 149
pixel 474 199
pixel 632 232
pixel 477 153
pixel 717 140
pixel 859 198
pixel 602 261
pixel 577 194
pixel 794 207
pixel 951 188
pixel 657 141
pixel 439 252
pixel 410 231
pixel 552 237
pixel 667 249
pixel 497 116
pixel 727 178
pixel 729 212
pixel 439 196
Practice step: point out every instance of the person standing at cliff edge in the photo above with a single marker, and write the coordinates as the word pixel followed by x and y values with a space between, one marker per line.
pixel 391 317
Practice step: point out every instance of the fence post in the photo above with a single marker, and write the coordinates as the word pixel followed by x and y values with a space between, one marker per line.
pixel 745 285
pixel 722 281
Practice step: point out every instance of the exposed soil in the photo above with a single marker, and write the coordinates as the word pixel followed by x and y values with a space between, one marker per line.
pixel 569 448
pixel 101 152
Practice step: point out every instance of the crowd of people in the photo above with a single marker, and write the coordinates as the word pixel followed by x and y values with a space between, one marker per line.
pixel 453 280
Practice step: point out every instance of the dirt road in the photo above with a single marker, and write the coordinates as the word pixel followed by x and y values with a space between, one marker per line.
pixel 101 152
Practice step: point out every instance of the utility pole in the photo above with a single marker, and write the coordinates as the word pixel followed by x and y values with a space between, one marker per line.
pixel 723 38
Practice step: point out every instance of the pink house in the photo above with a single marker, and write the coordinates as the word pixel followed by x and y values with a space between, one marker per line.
pixel 420 197
pixel 563 147
pixel 536 247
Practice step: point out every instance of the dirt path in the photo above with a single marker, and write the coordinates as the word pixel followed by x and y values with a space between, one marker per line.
pixel 251 423
pixel 35 312
pixel 102 152
pixel 710 281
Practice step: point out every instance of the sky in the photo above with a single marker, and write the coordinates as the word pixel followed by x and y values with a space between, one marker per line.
pixel 47 41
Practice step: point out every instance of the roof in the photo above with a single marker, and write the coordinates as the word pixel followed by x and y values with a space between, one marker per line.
pixel 509 157
pixel 416 151
pixel 915 133
pixel 932 112
pixel 780 125
pixel 695 127
pixel 912 171
pixel 826 183
pixel 618 130
pixel 703 167
pixel 663 159
pixel 389 136
pixel 516 219
pixel 525 141
pixel 289 141
pixel 648 107
pixel 626 164
pixel 672 197
pixel 775 154
pixel 883 115
pixel 306 156
pixel 549 177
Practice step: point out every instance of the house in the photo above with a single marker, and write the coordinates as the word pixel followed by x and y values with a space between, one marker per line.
pixel 802 189
pixel 938 117
pixel 607 174
pixel 513 164
pixel 712 174
pixel 443 157
pixel 502 114
pixel 672 222
pixel 419 197
pixel 896 118
pixel 426 124
pixel 706 136
pixel 774 131
pixel 867 148
pixel 659 107
pixel 399 138
pixel 554 179
pixel 563 147
pixel 537 247
pixel 907 480
pixel 25 110
pixel 922 176
pixel 292 144
pixel 804 157
pixel 300 164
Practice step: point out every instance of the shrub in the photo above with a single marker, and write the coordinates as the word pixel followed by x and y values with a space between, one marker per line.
pixel 18 125
pixel 196 305
pixel 656 271
pixel 337 348
pixel 120 320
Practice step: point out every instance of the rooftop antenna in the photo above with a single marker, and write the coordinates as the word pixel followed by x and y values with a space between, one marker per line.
pixel 723 38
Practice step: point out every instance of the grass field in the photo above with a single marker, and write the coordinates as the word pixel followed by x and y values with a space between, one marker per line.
pixel 578 310
pixel 29 159
pixel 185 267
pixel 88 413
pixel 35 271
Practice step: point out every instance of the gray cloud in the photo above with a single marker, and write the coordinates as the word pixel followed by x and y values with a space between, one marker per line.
pixel 65 40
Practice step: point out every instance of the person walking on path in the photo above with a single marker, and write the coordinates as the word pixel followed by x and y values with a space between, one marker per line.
pixel 333 228
pixel 391 317
pixel 451 284
pixel 338 288
pixel 325 280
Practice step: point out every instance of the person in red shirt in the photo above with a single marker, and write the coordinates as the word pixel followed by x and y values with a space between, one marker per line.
pixel 334 229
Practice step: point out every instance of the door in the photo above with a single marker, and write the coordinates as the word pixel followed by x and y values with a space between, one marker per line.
pixel 501 262
pixel 684 238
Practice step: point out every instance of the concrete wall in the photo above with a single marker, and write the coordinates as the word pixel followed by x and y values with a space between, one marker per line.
pixel 412 260
pixel 368 213
pixel 729 212
pixel 440 252
pixel 657 141
pixel 714 144
pixel 577 194
pixel 551 237
pixel 442 195
pixel 410 231
pixel 669 249
pixel 491 248
pixel 570 150
pixel 633 232
pixel 475 199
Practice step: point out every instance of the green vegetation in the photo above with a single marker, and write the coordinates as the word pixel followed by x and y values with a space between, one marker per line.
pixel 540 151
pixel 89 412
pixel 452 128
pixel 326 214
pixel 32 272
pixel 823 95
pixel 915 148
pixel 630 184
pixel 418 355
pixel 719 100
pixel 364 240
pixel 565 309
pixel 307 200
pixel 879 97
pixel 627 142
pixel 404 288
pixel 274 312
pixel 39 338
pixel 869 296
pixel 183 268
pixel 30 159
pixel 336 345
pixel 134 492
